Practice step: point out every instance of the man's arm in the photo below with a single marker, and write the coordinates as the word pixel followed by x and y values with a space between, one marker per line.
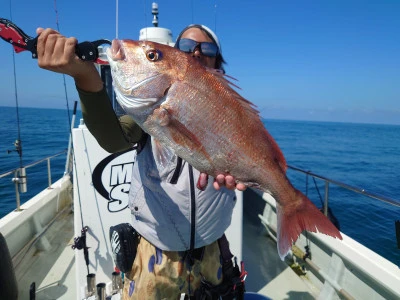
pixel 112 134
pixel 57 53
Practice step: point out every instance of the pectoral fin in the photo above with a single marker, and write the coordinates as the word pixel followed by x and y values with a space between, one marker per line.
pixel 163 155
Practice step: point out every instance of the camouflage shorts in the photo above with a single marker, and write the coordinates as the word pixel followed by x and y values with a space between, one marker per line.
pixel 158 274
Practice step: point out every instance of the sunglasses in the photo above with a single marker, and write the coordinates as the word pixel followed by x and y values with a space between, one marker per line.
pixel 189 46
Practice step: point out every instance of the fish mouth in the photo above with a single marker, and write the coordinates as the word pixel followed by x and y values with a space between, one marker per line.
pixel 116 51
pixel 126 87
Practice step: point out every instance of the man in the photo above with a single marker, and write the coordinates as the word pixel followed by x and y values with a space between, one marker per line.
pixel 181 227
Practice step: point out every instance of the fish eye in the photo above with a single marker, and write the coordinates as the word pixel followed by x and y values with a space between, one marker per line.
pixel 152 55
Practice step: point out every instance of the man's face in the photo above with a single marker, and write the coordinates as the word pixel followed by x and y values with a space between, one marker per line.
pixel 198 35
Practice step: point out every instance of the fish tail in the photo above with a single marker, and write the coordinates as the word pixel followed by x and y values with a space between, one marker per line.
pixel 293 220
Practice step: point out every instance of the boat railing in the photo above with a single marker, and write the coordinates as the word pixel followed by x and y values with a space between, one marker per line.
pixel 329 181
pixel 19 178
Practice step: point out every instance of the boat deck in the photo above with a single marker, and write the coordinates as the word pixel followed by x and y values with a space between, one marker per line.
pixel 268 275
pixel 53 265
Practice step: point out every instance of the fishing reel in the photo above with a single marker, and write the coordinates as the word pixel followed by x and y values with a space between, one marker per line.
pixel 80 241
pixel 18 148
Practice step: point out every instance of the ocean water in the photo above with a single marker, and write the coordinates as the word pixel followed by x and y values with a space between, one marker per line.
pixel 44 132
pixel 361 155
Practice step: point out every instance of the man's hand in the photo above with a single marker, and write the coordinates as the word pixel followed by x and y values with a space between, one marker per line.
pixel 229 182
pixel 221 180
pixel 57 53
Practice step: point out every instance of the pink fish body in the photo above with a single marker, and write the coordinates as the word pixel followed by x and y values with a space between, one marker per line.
pixel 195 112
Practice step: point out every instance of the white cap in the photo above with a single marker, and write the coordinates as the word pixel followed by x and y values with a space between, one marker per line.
pixel 213 35
pixel 209 32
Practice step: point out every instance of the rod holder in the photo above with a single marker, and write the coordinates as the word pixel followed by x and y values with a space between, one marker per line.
pixel 101 291
pixel 116 282
pixel 91 283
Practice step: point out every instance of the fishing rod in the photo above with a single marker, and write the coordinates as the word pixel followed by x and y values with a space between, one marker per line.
pixel 14 35
pixel 86 51
pixel 20 179
pixel 20 41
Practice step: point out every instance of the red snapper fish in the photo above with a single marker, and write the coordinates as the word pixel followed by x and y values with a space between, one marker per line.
pixel 195 112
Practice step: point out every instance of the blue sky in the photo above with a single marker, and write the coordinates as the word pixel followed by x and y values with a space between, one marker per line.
pixel 305 60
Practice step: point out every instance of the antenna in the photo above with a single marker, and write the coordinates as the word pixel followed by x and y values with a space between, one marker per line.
pixel 154 11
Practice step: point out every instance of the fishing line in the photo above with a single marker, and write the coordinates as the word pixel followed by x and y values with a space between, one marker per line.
pixel 319 194
pixel 316 187
pixel 307 173
pixel 116 19
pixel 65 84
pixel 145 19
pixel 79 242
pixel 18 142
pixel 192 5
pixel 69 122
pixel 215 17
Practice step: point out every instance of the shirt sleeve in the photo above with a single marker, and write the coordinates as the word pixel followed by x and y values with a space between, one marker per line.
pixel 112 133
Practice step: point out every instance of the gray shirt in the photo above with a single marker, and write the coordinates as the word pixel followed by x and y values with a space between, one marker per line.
pixel 161 211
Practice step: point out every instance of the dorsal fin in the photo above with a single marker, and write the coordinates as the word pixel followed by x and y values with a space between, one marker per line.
pixel 251 108
pixel 222 79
